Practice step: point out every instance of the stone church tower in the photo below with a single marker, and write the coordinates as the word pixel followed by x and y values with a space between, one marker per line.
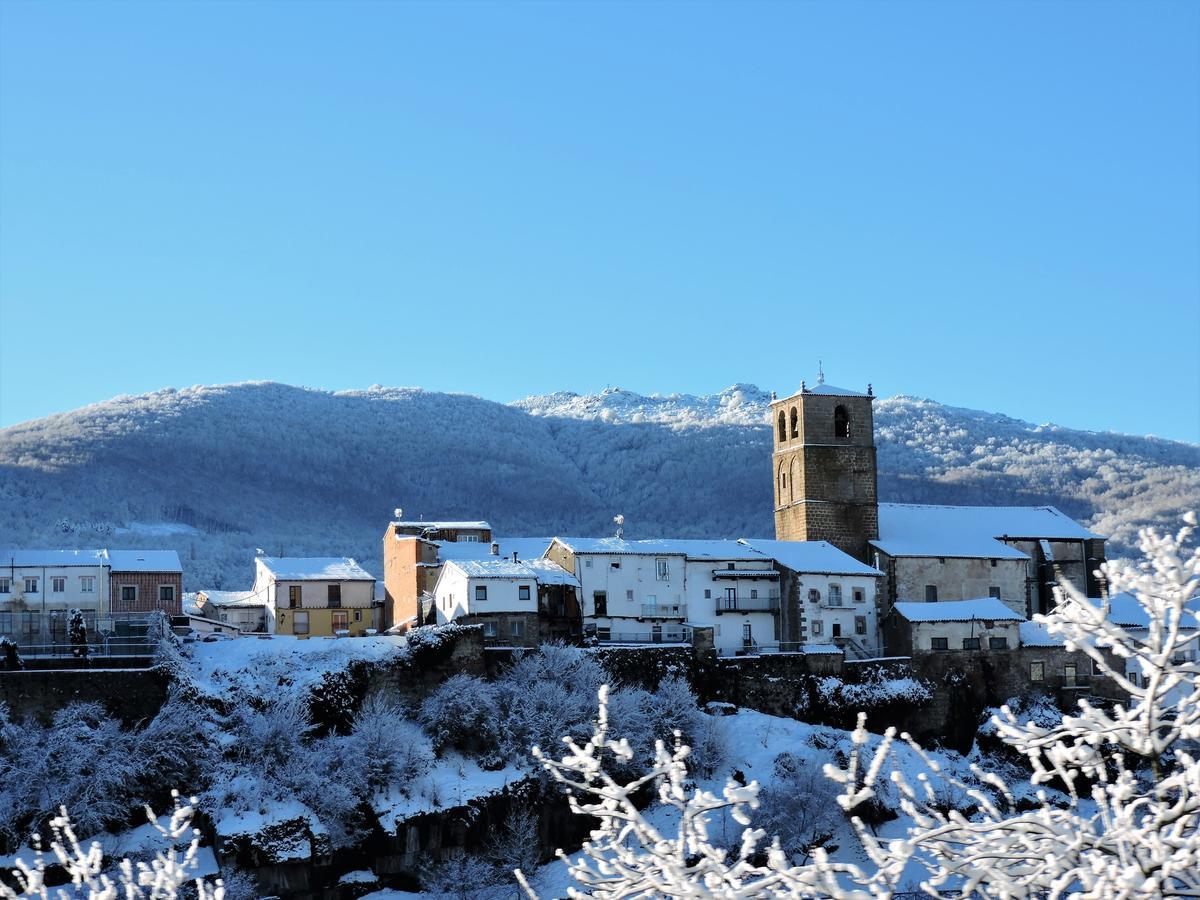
pixel 824 464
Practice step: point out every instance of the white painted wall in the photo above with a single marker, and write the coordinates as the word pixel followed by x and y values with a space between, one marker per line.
pixel 454 595
pixel 632 585
pixel 923 633
pixel 706 598
pixel 822 619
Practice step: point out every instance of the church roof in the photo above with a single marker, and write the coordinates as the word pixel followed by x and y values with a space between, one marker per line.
pixel 820 389
pixel 972 532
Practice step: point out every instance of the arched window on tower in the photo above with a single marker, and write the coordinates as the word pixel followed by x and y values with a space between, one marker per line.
pixel 841 423
pixel 782 427
pixel 795 425
pixel 782 484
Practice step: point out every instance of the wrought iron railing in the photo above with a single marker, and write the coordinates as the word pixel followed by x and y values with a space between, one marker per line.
pixel 664 610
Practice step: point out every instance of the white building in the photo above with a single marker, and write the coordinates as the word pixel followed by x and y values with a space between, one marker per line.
pixel 316 596
pixel 500 594
pixel 984 624
pixel 835 597
pixel 39 587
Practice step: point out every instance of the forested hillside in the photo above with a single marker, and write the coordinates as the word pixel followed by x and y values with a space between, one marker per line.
pixel 218 471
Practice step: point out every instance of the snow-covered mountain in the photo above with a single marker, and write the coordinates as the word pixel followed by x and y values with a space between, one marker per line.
pixel 217 471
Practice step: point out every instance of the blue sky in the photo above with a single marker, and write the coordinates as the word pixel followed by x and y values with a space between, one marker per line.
pixel 994 205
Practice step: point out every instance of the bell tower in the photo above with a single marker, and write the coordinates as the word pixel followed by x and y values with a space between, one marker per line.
pixel 824 466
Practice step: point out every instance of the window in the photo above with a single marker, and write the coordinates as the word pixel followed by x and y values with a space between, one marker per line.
pixel 753 594
pixel 489 629
pixel 615 564
pixel 841 423
pixel 629 594
pixel 294 596
pixel 1069 679
pixel 860 596
pixel 603 633
pixel 707 593
pixel 341 620
pixel 6 622
pixel 166 594
pixel 335 596
pixel 931 593
pixel 523 593
pixel 300 623
pixel 818 627
pixel 814 596
pixel 516 627
pixel 999 643
pixel 31 584
pixel 31 622
pixel 1037 671
pixel 587 563
pixel 58 585
pixel 835 595
pixel 970 643
pixel 358 615
pixel 994 591
pixel 993 563
pixel 129 594
pixel 661 571
pixel 480 592
pixel 468 539
pixel 795 423
pixel 5 585
pixel 782 427
pixel 600 603
pixel 939 643
pixel 860 624
pixel 87 584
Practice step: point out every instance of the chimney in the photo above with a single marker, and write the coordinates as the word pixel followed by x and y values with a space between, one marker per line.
pixel 514 556
pixel 495 549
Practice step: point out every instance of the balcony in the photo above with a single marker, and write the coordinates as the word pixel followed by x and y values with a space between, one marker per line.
pixel 664 610
pixel 766 601
pixel 668 635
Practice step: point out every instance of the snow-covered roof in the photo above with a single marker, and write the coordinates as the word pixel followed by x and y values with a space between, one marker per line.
pixel 14 557
pixel 314 568
pixel 227 599
pixel 491 568
pixel 1034 634
pixel 828 390
pixel 550 572
pixel 1127 611
pixel 989 608
pixel 814 557
pixel 144 561
pixel 692 549
pixel 525 547
pixel 910 529
pixel 448 526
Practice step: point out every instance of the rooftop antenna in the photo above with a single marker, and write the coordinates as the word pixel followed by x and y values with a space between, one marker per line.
pixel 620 523
pixel 820 373
pixel 398 513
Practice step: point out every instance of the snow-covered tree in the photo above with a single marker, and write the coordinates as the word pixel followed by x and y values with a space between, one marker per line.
pixel 1131 828
pixel 165 877
pixel 77 634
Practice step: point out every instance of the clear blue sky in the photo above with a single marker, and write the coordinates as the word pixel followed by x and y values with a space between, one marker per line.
pixel 995 205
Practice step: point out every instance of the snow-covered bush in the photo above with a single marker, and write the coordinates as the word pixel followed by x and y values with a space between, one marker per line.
pixel 1130 827
pixel 461 714
pixel 397 749
pixel 799 807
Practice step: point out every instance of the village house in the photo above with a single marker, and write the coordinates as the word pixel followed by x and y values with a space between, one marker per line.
pixel 244 610
pixel 144 581
pixel 982 625
pixel 516 602
pixel 38 588
pixel 413 555
pixel 316 596
pixel 828 597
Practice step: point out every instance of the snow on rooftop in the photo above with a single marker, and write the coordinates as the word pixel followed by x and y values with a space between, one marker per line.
pixel 988 608
pixel 525 548
pixel 815 557
pixel 545 571
pixel 550 572
pixel 445 525
pixel 1034 634
pixel 315 568
pixel 13 557
pixel 910 529
pixel 692 549
pixel 1127 611
pixel 144 561
pixel 226 599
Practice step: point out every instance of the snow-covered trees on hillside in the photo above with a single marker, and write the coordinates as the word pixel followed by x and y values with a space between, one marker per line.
pixel 1131 826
